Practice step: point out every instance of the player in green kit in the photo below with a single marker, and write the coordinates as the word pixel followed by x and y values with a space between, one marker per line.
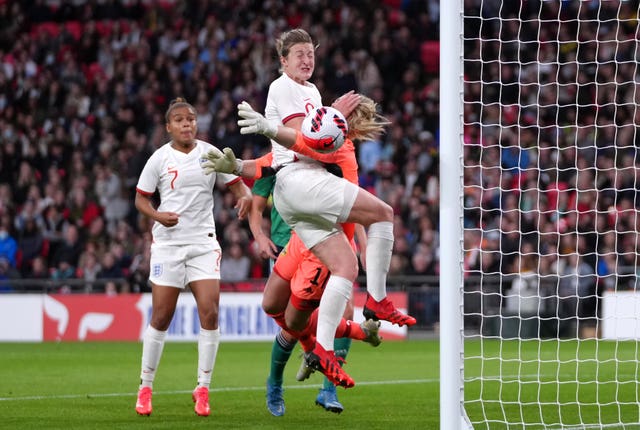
pixel 269 247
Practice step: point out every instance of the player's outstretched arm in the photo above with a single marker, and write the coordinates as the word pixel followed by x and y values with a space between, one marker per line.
pixel 226 162
pixel 222 162
pixel 253 122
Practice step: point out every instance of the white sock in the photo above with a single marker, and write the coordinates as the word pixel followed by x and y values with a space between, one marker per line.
pixel 152 346
pixel 332 305
pixel 379 249
pixel 208 342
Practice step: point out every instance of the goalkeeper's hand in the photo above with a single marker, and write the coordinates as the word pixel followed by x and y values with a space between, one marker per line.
pixel 222 162
pixel 253 122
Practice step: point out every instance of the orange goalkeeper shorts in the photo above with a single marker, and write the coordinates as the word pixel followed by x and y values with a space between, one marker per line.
pixel 307 276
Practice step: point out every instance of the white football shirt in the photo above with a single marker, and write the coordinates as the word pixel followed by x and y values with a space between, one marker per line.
pixel 288 99
pixel 185 190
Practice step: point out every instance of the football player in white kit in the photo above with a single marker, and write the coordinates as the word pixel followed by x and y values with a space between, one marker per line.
pixel 314 202
pixel 185 250
pixel 290 98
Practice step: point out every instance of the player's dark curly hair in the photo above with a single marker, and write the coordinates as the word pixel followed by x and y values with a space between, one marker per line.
pixel 177 103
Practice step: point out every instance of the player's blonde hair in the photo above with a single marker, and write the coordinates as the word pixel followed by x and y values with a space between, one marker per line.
pixel 365 123
pixel 178 102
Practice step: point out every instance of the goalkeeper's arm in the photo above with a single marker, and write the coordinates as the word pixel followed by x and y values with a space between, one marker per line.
pixel 258 168
pixel 301 147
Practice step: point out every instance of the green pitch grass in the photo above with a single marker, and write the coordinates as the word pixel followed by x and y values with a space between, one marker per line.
pixel 576 384
pixel 94 385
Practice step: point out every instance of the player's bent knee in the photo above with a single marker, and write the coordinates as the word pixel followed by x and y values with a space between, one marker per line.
pixel 385 212
pixel 272 308
pixel 160 323
pixel 348 269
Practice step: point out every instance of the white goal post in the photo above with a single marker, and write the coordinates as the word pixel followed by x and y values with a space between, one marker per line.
pixel 451 309
pixel 539 226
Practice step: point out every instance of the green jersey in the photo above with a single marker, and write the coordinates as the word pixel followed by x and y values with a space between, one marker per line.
pixel 280 230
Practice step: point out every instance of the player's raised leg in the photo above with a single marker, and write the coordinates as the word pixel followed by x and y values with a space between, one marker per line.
pixel 385 310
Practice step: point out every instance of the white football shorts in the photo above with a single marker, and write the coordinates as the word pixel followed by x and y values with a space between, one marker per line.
pixel 178 265
pixel 313 201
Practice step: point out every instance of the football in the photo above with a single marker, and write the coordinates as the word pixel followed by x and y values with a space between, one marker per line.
pixel 324 129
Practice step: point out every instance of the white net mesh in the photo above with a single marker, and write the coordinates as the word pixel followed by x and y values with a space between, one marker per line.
pixel 550 214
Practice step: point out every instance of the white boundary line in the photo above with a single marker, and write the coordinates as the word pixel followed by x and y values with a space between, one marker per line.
pixel 212 390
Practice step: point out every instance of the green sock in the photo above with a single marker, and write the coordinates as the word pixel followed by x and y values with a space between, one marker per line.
pixel 341 347
pixel 280 354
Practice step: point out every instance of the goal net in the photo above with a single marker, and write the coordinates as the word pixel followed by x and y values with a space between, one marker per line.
pixel 549 221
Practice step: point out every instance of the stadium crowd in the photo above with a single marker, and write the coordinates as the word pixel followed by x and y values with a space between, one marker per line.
pixel 84 85
pixel 552 147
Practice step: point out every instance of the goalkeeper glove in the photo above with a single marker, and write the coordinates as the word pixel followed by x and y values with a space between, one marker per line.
pixel 253 122
pixel 222 162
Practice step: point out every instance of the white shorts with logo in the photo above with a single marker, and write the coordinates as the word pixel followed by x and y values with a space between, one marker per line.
pixel 178 265
pixel 313 201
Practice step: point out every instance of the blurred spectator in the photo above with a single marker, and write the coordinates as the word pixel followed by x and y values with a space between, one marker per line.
pixel 82 211
pixel 8 244
pixel 63 270
pixel 139 271
pixel 30 243
pixel 7 273
pixel 423 263
pixel 577 287
pixel 95 235
pixel 6 197
pixel 88 269
pixel 367 74
pixel 26 178
pixel 234 266
pixel 29 212
pixel 110 288
pixel 107 184
pixel 369 155
pixel 109 268
pixel 122 257
pixel 523 295
pixel 38 269
pixel 399 264
pixel 117 209
pixel 69 249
